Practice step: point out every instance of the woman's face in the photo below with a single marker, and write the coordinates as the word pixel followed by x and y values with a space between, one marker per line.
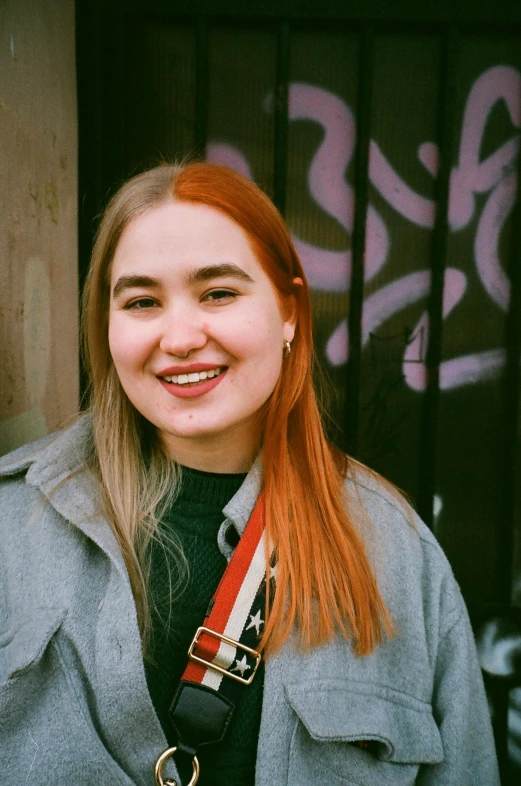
pixel 185 280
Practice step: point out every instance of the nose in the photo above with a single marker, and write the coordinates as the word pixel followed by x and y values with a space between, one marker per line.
pixel 182 331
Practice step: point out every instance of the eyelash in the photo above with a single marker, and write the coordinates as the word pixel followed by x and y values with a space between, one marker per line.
pixel 222 293
pixel 215 295
pixel 135 304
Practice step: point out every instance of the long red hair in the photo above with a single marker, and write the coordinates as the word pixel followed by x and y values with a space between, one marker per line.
pixel 324 580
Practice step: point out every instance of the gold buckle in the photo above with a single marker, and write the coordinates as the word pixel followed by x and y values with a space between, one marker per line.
pixel 231 642
pixel 158 769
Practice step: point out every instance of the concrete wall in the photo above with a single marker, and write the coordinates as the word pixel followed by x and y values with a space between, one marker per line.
pixel 38 219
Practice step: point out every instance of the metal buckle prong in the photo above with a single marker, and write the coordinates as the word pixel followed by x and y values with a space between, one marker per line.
pixel 231 642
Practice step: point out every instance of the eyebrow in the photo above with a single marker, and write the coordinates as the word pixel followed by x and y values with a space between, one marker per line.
pixel 128 282
pixel 224 270
pixel 207 273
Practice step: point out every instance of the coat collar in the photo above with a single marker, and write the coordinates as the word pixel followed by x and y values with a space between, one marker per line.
pixel 56 466
pixel 239 508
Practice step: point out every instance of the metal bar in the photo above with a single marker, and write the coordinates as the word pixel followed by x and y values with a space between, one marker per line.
pixel 88 80
pixel 90 143
pixel 511 398
pixel 361 183
pixel 429 425
pixel 280 152
pixel 202 86
pixel 505 528
pixel 499 697
pixel 403 11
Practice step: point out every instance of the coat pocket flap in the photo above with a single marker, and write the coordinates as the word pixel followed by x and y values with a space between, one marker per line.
pixel 399 727
pixel 24 643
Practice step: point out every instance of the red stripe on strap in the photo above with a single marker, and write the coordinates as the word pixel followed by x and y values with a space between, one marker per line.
pixel 227 591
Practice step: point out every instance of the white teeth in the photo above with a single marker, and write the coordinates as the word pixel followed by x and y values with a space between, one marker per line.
pixel 185 379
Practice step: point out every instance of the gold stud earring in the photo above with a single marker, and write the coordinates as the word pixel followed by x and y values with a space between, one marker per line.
pixel 286 352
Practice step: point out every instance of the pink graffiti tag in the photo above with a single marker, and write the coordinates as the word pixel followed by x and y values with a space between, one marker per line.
pixel 330 270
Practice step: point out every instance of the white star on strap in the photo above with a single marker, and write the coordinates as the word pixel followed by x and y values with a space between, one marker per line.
pixel 273 572
pixel 241 665
pixel 255 622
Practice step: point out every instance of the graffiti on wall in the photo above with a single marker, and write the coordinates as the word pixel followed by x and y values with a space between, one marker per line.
pixel 494 176
pixel 483 190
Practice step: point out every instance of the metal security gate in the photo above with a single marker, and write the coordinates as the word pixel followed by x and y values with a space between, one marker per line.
pixel 388 134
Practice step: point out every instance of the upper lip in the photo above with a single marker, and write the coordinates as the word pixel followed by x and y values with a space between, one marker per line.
pixel 193 368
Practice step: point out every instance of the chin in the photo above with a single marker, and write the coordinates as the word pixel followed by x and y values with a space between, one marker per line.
pixel 189 430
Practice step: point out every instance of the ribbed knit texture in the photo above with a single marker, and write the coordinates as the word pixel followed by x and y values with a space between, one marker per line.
pixel 195 518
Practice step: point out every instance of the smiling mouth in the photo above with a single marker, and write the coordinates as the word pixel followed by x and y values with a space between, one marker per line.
pixel 189 380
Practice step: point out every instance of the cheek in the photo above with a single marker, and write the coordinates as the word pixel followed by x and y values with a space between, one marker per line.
pixel 263 349
pixel 116 342
pixel 259 335
pixel 127 345
pixel 258 346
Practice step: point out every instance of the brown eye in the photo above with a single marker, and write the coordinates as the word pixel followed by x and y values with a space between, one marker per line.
pixel 142 304
pixel 217 295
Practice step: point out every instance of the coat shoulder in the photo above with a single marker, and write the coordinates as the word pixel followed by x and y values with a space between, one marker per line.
pixel 19 460
pixel 408 560
pixel 385 506
pixel 64 448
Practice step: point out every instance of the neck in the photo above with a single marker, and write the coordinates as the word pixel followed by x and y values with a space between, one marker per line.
pixel 227 455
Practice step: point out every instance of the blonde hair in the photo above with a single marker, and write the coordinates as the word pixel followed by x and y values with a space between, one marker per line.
pixel 304 476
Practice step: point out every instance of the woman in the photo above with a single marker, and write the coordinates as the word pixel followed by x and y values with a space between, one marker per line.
pixel 198 340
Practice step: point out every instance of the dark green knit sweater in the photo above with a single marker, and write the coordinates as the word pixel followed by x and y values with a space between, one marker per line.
pixel 195 517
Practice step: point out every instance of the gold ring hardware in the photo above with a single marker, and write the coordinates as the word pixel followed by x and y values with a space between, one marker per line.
pixel 158 769
pixel 232 643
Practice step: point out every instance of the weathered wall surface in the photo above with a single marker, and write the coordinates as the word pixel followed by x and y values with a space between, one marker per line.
pixel 38 219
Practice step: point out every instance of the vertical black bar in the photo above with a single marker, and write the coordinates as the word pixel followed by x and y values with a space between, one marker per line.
pixel 202 86
pixel 88 85
pixel 512 390
pixel 429 427
pixel 361 178
pixel 280 157
pixel 505 536
pixel 89 35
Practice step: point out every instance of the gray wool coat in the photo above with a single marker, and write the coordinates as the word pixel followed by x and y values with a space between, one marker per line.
pixel 74 704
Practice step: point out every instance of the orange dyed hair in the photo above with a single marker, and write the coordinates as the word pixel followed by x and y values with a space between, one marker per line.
pixel 304 483
pixel 304 476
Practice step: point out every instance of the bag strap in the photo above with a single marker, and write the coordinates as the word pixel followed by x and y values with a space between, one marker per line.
pixel 222 658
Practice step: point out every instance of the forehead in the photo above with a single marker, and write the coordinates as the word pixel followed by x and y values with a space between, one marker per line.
pixel 183 233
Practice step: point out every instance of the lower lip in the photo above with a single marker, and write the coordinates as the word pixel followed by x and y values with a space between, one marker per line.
pixel 192 391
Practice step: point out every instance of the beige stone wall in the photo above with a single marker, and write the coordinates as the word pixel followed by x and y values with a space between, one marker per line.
pixel 38 219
